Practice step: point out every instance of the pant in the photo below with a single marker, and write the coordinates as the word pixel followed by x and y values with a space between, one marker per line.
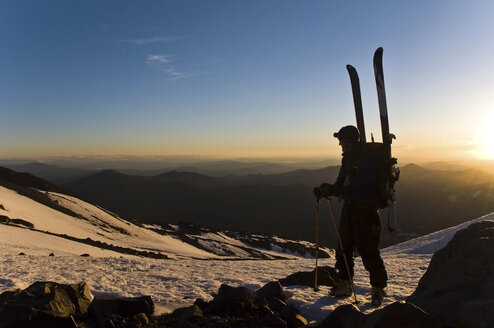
pixel 360 229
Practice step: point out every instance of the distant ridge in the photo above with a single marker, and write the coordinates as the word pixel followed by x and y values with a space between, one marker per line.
pixel 11 177
pixel 53 173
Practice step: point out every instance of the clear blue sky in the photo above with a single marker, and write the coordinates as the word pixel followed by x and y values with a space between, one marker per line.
pixel 241 78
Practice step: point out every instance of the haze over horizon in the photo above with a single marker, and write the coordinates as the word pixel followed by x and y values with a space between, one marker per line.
pixel 257 79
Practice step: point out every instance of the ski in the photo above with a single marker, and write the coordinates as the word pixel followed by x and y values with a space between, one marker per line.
pixel 357 101
pixel 387 139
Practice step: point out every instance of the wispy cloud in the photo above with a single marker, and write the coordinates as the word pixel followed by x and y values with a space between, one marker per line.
pixel 174 75
pixel 164 63
pixel 157 39
pixel 159 59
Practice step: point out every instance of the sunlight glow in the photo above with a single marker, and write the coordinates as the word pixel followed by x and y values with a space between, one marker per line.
pixel 486 140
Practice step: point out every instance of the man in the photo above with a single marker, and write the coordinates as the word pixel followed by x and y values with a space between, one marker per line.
pixel 360 225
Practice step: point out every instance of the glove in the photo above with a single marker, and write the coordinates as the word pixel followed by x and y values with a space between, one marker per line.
pixel 317 193
pixel 328 190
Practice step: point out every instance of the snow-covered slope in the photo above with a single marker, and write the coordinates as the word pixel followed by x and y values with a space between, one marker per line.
pixel 430 243
pixel 180 280
pixel 90 225
pixel 65 224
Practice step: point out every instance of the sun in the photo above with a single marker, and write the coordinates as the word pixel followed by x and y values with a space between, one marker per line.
pixel 486 140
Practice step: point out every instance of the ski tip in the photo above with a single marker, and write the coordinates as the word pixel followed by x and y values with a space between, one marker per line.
pixel 350 68
pixel 378 55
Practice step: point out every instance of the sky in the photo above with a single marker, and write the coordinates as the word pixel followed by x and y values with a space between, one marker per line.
pixel 236 79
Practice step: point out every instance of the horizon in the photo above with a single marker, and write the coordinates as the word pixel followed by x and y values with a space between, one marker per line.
pixel 226 80
pixel 153 163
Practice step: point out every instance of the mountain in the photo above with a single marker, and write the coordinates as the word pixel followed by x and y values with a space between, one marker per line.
pixel 60 171
pixel 227 203
pixel 54 174
pixel 36 219
pixel 27 180
pixel 176 283
pixel 283 203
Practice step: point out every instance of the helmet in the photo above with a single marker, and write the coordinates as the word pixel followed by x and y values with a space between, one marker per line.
pixel 348 133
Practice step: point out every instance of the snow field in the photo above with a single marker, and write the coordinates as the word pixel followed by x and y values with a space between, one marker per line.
pixel 178 282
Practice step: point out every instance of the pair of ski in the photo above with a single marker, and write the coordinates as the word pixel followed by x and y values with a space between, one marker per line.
pixel 387 137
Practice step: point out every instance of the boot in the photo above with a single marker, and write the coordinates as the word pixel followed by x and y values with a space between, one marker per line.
pixel 342 288
pixel 377 296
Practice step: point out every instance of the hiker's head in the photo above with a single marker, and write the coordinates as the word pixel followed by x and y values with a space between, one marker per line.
pixel 348 135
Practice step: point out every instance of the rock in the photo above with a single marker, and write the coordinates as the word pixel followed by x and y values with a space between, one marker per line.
pixel 51 254
pixel 293 317
pixel 125 307
pixel 6 220
pixel 233 307
pixel 22 222
pixel 275 304
pixel 236 300
pixel 202 304
pixel 85 255
pixel 458 286
pixel 21 253
pixel 138 321
pixel 22 316
pixel 326 276
pixel 401 314
pixel 344 316
pixel 59 299
pixel 272 289
pixel 188 313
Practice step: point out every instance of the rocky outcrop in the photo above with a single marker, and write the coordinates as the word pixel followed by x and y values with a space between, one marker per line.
pixel 53 305
pixel 44 304
pixel 398 314
pixel 326 276
pixel 15 222
pixel 238 307
pixel 48 304
pixel 458 287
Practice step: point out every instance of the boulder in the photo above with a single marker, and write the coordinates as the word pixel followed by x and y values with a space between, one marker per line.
pixel 13 316
pixel 326 276
pixel 59 299
pixel 293 317
pixel 344 316
pixel 188 313
pixel 272 289
pixel 44 304
pixel 458 286
pixel 236 301
pixel 125 307
pixel 401 314
pixel 275 304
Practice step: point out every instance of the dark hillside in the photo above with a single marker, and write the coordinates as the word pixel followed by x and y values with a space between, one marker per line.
pixel 283 203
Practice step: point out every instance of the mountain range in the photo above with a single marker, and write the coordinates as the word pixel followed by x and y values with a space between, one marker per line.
pixel 35 213
pixel 59 237
pixel 282 203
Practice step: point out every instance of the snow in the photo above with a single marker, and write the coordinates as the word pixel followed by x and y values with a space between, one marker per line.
pixel 103 226
pixel 190 273
pixel 430 243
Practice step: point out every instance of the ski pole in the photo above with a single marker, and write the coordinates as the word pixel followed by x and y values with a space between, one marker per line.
pixel 316 288
pixel 341 247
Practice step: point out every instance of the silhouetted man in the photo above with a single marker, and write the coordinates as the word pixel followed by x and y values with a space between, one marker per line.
pixel 360 224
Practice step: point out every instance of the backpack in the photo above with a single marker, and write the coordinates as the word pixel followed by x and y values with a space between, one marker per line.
pixel 386 176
